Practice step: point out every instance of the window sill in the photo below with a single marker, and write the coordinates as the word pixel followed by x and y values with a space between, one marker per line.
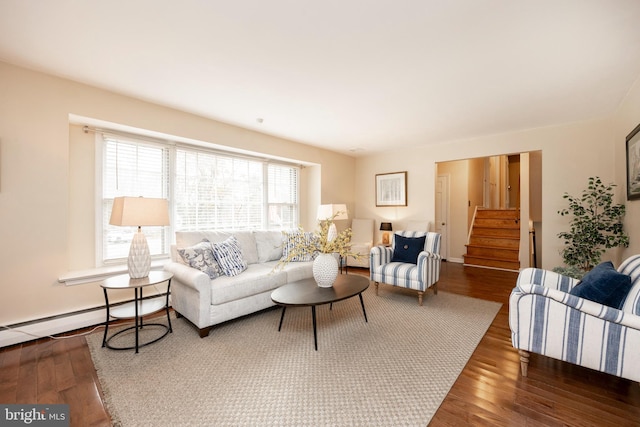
pixel 80 277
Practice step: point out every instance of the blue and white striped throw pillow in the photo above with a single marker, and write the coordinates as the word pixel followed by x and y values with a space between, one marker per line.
pixel 229 256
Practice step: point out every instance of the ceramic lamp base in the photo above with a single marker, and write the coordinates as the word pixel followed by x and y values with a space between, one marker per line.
pixel 139 261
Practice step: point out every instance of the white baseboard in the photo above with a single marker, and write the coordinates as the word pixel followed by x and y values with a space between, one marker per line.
pixel 53 326
pixel 456 260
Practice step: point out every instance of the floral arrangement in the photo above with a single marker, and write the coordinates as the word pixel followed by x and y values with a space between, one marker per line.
pixel 321 243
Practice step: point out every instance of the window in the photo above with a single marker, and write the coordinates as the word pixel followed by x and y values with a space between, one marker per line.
pixel 132 168
pixel 282 196
pixel 207 190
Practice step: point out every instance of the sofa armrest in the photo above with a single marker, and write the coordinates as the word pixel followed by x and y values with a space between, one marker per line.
pixel 429 267
pixel 189 276
pixel 547 279
pixel 592 308
pixel 190 293
pixel 380 255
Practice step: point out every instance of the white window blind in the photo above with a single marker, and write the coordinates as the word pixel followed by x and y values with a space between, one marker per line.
pixel 217 192
pixel 282 196
pixel 207 190
pixel 132 168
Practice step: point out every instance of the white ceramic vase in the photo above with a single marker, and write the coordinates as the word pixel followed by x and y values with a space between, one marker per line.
pixel 325 270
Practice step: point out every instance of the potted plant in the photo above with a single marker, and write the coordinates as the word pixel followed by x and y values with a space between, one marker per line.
pixel 324 249
pixel 596 226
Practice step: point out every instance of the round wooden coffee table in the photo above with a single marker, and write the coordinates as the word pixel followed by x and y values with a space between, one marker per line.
pixel 306 293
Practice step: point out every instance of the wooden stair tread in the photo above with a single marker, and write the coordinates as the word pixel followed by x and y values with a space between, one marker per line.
pixel 493 236
pixel 471 245
pixel 493 257
pixel 494 240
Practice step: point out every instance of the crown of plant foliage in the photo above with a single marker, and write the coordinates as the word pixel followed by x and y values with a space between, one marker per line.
pixel 320 243
pixel 596 225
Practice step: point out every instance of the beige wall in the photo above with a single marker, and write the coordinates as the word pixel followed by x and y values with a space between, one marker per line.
pixel 46 182
pixel 627 118
pixel 571 154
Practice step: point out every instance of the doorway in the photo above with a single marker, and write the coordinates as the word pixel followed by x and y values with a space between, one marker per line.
pixel 503 182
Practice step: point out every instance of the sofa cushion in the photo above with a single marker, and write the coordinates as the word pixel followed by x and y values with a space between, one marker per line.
pixel 406 249
pixel 229 256
pixel 296 270
pixel 604 285
pixel 269 245
pixel 256 279
pixel 247 241
pixel 201 256
pixel 295 239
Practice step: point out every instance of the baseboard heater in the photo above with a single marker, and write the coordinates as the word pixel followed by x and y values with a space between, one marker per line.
pixel 52 325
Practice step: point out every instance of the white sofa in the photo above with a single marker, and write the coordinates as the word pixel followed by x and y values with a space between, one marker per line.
pixel 206 302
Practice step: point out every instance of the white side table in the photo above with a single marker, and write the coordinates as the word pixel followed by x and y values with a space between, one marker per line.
pixel 139 307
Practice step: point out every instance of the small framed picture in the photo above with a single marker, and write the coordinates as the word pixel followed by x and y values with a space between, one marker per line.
pixel 391 189
pixel 633 164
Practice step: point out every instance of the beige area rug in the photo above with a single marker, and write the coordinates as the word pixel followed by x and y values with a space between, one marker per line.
pixel 394 370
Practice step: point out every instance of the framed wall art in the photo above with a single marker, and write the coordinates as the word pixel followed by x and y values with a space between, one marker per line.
pixel 633 164
pixel 391 189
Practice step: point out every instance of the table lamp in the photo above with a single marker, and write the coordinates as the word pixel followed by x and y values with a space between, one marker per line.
pixel 138 212
pixel 386 227
pixel 332 213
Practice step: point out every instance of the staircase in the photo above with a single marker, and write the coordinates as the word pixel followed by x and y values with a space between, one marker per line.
pixel 494 241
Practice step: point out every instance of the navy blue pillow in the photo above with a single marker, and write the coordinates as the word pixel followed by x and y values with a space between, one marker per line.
pixel 604 285
pixel 406 249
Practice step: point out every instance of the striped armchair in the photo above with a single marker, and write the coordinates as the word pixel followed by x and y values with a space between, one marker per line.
pixel 420 276
pixel 545 319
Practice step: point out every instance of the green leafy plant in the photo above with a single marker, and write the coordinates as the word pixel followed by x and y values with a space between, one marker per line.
pixel 596 226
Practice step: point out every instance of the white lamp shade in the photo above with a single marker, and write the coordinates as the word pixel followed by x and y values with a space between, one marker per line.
pixel 328 211
pixel 139 211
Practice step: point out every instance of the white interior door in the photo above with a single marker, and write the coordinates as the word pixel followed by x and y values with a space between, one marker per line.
pixel 442 213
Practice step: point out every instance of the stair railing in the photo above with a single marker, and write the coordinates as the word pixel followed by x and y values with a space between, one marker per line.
pixel 473 222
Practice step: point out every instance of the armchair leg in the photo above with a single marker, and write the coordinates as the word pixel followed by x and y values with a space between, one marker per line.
pixel 435 289
pixel 524 361
pixel 376 283
pixel 420 294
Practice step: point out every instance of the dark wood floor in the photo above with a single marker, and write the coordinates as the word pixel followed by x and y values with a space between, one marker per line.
pixel 489 391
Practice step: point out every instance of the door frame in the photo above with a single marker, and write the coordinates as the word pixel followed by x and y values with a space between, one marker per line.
pixel 447 219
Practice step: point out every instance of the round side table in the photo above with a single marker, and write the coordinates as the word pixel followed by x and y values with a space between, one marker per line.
pixel 139 307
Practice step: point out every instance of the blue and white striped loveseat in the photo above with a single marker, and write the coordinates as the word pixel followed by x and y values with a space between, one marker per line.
pixel 545 319
pixel 420 276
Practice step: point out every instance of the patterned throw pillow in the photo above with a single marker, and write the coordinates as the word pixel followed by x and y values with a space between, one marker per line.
pixel 229 256
pixel 298 238
pixel 200 256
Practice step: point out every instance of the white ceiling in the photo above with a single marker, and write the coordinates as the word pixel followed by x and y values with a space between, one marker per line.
pixel 356 76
